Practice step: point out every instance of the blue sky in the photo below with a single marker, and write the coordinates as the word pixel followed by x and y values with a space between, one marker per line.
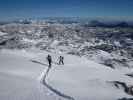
pixel 12 9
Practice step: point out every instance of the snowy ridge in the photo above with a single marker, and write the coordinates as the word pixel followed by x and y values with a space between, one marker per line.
pixel 80 80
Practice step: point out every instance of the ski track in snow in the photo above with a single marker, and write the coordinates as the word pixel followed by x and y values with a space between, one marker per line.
pixel 80 80
pixel 18 80
pixel 43 80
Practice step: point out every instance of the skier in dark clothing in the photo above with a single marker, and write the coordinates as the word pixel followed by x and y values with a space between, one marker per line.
pixel 49 59
pixel 61 60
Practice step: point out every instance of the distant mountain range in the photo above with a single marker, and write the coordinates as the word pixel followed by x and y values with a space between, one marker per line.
pixel 69 20
pixel 96 23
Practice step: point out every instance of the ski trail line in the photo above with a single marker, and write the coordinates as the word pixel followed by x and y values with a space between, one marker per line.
pixel 53 89
pixel 43 77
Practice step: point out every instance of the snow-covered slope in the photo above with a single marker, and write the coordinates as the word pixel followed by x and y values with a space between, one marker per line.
pixel 19 78
pixel 79 78
pixel 87 80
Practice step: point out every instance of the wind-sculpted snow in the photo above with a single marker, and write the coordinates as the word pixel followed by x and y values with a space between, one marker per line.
pixel 21 74
pixel 87 80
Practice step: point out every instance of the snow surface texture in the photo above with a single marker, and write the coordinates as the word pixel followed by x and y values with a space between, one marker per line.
pixel 19 78
pixel 112 47
pixel 22 74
